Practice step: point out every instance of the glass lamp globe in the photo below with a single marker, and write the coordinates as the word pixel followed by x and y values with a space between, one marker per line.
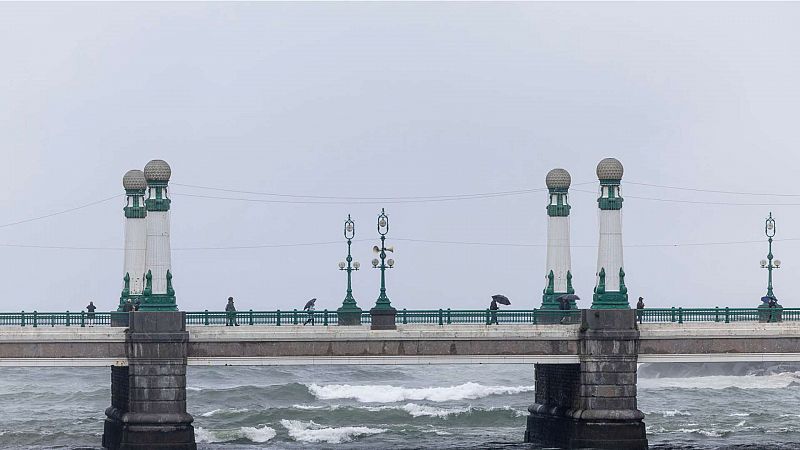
pixel 382 223
pixel 777 263
pixel 390 261
pixel 375 262
pixel 356 265
pixel 763 263
pixel 770 225
pixel 349 227
pixel 341 264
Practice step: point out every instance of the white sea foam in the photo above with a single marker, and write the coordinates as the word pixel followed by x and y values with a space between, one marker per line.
pixel 192 388
pixel 203 435
pixel 314 407
pixel 256 434
pixel 413 409
pixel 709 433
pixel 223 410
pixel 389 394
pixel 669 413
pixel 775 381
pixel 739 415
pixel 313 432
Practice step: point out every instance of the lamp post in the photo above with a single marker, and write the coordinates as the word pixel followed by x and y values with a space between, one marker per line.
pixel 769 264
pixel 349 313
pixel 383 315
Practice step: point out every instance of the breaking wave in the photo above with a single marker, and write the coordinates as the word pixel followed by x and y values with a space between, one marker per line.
pixel 775 381
pixel 253 434
pixel 313 432
pixel 392 394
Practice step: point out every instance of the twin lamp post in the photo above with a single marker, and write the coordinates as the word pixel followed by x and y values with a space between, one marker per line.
pixel 382 315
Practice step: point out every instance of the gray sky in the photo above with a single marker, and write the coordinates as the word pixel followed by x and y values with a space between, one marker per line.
pixel 398 100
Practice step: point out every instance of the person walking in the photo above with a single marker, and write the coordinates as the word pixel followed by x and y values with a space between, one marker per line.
pixel 493 308
pixel 230 313
pixel 90 308
pixel 639 308
pixel 310 308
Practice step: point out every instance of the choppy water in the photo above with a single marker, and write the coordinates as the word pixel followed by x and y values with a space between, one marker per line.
pixel 392 407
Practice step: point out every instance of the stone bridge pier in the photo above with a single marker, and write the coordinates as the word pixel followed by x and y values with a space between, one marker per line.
pixel 148 397
pixel 592 404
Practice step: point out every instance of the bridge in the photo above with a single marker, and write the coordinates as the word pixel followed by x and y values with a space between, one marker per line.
pixel 585 360
pixel 422 337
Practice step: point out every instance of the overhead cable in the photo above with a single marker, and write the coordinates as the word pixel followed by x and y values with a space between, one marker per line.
pixel 60 212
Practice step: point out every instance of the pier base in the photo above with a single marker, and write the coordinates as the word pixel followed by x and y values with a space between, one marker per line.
pixel 148 408
pixel 592 404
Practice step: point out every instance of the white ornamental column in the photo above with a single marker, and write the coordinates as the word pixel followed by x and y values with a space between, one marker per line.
pixel 610 291
pixel 158 292
pixel 558 275
pixel 133 269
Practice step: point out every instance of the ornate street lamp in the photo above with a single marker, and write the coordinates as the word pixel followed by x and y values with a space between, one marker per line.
pixel 769 264
pixel 349 313
pixel 383 315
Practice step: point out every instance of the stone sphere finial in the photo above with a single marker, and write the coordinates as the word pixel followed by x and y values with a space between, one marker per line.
pixel 609 169
pixel 558 179
pixel 157 170
pixel 134 180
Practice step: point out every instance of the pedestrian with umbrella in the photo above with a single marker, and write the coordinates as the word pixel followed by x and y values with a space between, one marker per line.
pixel 310 308
pixel 565 304
pixel 501 299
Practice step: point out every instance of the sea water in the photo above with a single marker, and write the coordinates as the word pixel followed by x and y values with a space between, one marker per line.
pixel 394 407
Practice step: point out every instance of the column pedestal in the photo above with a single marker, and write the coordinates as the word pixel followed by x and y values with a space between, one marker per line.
pixel 592 404
pixel 383 318
pixel 151 408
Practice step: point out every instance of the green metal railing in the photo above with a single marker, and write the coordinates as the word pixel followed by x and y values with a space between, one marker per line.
pixel 441 317
pixel 724 315
pixel 52 319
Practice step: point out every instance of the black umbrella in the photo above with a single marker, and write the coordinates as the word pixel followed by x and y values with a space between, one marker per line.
pixel 310 304
pixel 568 297
pixel 502 299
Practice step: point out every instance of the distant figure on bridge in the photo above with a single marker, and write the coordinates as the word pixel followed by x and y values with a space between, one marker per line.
pixel 310 308
pixel 501 299
pixel 137 304
pixel 90 311
pixel 493 308
pixel 230 313
pixel 128 306
pixel 639 307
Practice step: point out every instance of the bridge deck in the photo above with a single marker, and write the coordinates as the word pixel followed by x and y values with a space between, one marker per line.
pixel 409 344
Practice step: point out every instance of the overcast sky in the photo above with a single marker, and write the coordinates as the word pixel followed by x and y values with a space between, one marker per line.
pixel 399 100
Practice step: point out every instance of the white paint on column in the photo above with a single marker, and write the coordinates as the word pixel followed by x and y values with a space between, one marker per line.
pixel 609 254
pixel 135 253
pixel 158 249
pixel 558 254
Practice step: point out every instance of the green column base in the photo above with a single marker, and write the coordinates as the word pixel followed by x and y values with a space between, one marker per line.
pixel 158 302
pixel 125 298
pixel 610 300
pixel 550 301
